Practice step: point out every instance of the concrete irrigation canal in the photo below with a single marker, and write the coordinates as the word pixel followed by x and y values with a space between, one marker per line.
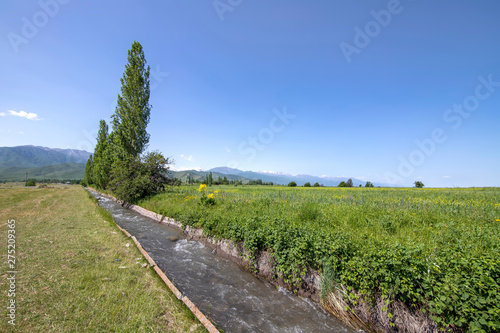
pixel 234 299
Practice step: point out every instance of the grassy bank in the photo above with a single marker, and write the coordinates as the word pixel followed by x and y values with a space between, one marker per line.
pixel 436 251
pixel 77 272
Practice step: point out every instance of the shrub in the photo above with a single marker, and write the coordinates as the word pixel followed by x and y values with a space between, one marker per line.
pixel 30 182
pixel 419 184
pixel 133 179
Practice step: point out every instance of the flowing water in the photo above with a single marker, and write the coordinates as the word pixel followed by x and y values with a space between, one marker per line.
pixel 234 299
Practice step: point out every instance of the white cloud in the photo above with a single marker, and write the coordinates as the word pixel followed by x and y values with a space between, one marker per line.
pixel 2 114
pixel 187 158
pixel 23 114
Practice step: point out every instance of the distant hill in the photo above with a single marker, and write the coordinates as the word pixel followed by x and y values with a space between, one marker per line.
pixel 200 175
pixel 278 178
pixel 58 163
pixel 284 179
pixel 58 171
pixel 34 156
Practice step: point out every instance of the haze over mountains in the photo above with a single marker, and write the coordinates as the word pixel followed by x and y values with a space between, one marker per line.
pixel 284 179
pixel 35 156
pixel 41 163
pixel 55 163
pixel 267 176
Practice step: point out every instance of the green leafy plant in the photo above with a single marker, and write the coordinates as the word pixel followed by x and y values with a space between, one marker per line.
pixel 435 250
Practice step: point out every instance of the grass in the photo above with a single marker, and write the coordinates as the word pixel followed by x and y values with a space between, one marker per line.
pixel 77 272
pixel 11 184
pixel 389 214
pixel 437 250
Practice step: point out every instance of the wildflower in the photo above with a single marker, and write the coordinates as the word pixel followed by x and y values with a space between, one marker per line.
pixel 210 196
pixel 202 187
pixel 498 220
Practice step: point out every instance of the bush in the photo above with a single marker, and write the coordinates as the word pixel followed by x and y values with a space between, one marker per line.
pixel 133 179
pixel 307 184
pixel 30 182
pixel 419 184
pixel 292 184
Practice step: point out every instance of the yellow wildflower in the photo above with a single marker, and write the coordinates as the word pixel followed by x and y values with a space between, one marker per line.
pixel 202 187
pixel 210 196
pixel 498 220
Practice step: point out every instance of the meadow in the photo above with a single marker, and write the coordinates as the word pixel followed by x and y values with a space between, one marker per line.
pixel 435 250
pixel 76 271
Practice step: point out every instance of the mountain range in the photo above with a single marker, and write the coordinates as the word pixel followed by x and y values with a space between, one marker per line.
pixel 267 176
pixel 43 162
pixel 35 156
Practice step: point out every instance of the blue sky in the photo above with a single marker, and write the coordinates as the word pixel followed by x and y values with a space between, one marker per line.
pixel 386 91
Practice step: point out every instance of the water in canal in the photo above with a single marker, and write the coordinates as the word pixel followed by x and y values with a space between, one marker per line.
pixel 233 298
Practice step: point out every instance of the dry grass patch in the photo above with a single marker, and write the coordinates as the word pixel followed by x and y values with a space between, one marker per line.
pixel 75 271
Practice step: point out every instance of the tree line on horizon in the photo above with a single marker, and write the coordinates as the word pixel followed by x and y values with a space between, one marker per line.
pixel 120 162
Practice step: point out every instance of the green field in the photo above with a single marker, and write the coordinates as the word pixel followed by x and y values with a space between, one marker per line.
pixel 435 250
pixel 77 272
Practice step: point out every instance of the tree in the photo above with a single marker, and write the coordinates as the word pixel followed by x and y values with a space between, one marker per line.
pixel 307 184
pixel 101 164
pixel 88 174
pixel 349 182
pixel 132 112
pixel 292 184
pixel 133 178
pixel 210 179
pixel 316 184
pixel 368 184
pixel 419 184
pixel 119 162
pixel 30 182
pixel 342 184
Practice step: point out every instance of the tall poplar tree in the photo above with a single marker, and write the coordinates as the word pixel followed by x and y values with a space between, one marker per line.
pixel 133 109
pixel 120 163
pixel 101 164
pixel 88 175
